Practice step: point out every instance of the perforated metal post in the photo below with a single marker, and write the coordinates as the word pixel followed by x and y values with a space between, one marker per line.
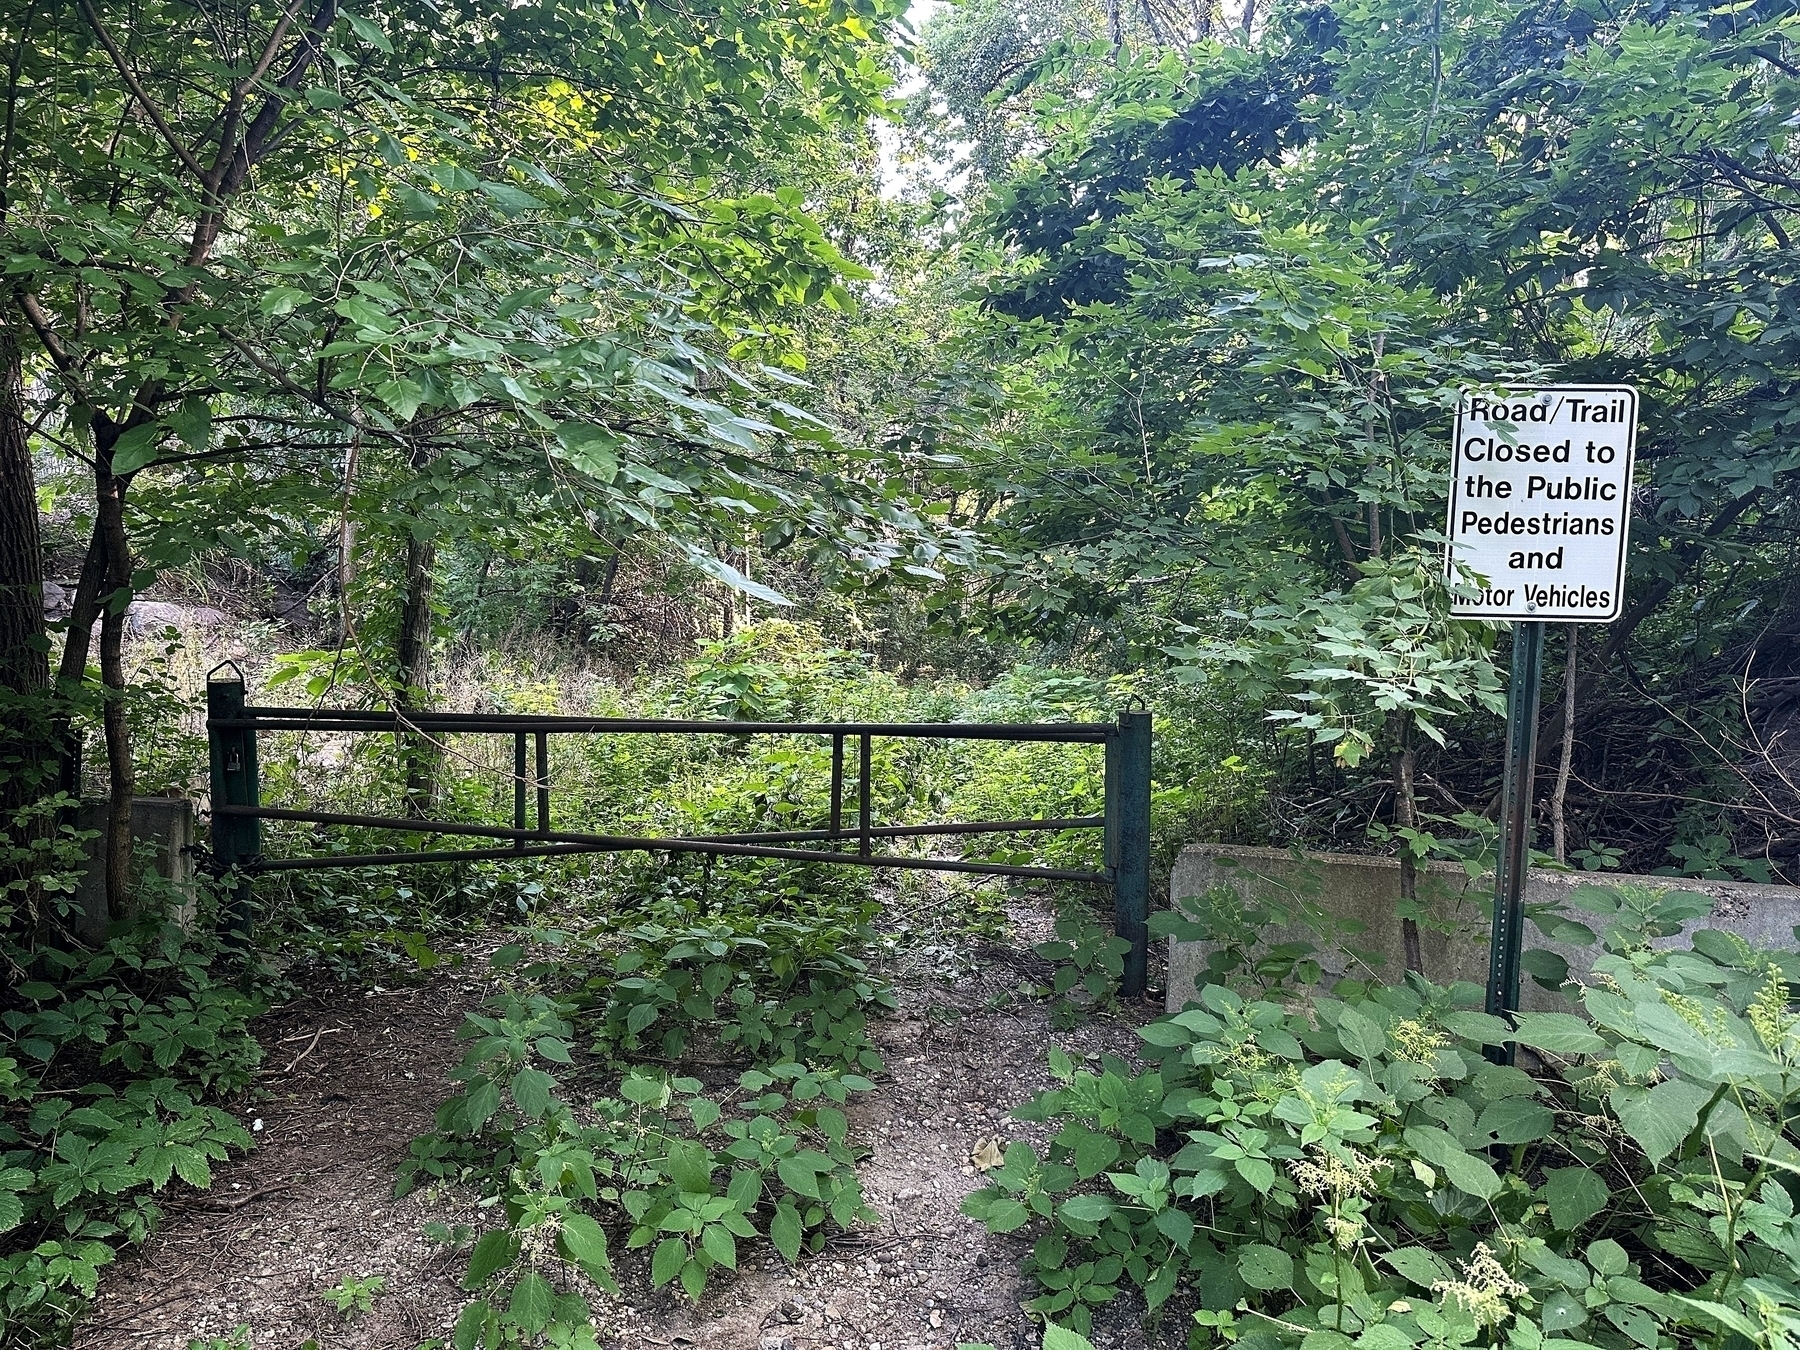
pixel 1128 817
pixel 1515 826
pixel 236 840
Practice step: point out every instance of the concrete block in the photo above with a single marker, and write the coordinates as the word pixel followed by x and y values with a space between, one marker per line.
pixel 1353 898
pixel 166 824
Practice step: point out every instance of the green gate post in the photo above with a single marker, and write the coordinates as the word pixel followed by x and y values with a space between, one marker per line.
pixel 1128 832
pixel 1515 827
pixel 236 840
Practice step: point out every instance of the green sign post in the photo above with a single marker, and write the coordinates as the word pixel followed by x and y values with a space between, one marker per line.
pixel 1540 505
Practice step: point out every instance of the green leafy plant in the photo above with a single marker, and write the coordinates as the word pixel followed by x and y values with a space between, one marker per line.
pixel 355 1294
pixel 107 1060
pixel 688 1175
pixel 1356 1164
pixel 239 1338
pixel 761 988
pixel 1089 959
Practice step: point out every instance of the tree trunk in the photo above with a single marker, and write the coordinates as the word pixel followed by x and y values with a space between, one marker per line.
pixel 109 493
pixel 24 648
pixel 1406 817
pixel 25 710
pixel 346 559
pixel 1559 833
pixel 414 662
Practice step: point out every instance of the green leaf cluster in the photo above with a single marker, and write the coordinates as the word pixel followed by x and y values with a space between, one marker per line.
pixel 1355 1168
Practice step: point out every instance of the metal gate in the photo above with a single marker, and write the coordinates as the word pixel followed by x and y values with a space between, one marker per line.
pixel 238 812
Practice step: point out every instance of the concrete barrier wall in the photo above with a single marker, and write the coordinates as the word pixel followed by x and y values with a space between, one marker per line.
pixel 164 823
pixel 1362 894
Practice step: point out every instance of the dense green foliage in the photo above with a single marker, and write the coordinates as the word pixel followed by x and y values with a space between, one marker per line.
pixel 517 356
pixel 1346 1167
pixel 1230 292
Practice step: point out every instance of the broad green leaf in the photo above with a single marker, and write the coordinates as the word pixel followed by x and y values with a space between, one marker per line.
pixel 667 1261
pixel 532 1302
pixel 1264 1267
pixel 584 1240
pixel 471 1326
pixel 1176 1226
pixel 368 32
pixel 511 200
pixel 798 1177
pixel 1005 1215
pixel 531 1089
pixel 1575 1195
pixel 1608 1257
pixel 591 448
pixel 716 1241
pixel 1259 1172
pixel 1165 1034
pixel 1517 1120
pixel 785 1231
pixel 1424 1268
pixel 1559 1033
pixel 496 1250
pixel 1361 1035
pixel 690 1166
pixel 1087 1208
pixel 1483 1028
pixel 1659 1118
pixel 1562 1311
pixel 1094 1153
pixel 136 448
pixel 1466 1172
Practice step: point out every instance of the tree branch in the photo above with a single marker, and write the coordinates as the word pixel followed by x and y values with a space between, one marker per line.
pixel 137 89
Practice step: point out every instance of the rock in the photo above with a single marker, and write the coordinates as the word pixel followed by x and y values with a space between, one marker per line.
pixel 776 1342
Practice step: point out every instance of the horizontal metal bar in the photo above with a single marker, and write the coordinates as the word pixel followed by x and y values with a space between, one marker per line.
pixel 878 860
pixel 910 831
pixel 413 826
pixel 408 858
pixel 418 826
pixel 307 719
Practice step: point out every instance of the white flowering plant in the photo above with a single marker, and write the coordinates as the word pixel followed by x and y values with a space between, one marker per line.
pixel 1351 1169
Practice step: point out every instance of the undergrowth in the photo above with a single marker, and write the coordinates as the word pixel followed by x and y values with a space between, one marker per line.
pixel 1352 1168
pixel 666 1069
pixel 112 1061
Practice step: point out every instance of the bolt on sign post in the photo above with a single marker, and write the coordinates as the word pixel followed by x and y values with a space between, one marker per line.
pixel 1540 503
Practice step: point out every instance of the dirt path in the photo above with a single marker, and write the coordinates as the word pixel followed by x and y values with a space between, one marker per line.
pixel 314 1203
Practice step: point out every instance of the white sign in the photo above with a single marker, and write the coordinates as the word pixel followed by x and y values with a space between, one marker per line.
pixel 1540 497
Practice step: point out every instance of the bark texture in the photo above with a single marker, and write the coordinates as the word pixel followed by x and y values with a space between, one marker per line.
pixel 109 492
pixel 24 659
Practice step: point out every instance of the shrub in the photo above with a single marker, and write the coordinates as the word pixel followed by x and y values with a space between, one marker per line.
pixel 1353 1169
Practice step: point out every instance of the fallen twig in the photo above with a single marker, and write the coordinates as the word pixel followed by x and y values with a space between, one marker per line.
pixel 852 1245
pixel 243 1200
pixel 328 1031
pixel 311 1045
pixel 140 1310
